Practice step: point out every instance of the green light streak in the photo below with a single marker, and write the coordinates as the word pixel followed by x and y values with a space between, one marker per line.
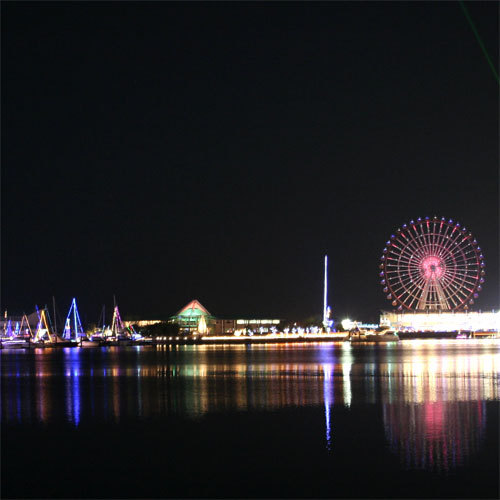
pixel 478 38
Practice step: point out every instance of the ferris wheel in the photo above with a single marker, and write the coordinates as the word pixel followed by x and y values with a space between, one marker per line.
pixel 432 264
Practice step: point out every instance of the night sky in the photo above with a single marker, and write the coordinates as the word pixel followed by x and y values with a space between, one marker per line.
pixel 162 152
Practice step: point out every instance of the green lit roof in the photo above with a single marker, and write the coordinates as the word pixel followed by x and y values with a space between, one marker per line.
pixel 193 309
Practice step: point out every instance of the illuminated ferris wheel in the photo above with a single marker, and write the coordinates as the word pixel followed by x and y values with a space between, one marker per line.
pixel 432 264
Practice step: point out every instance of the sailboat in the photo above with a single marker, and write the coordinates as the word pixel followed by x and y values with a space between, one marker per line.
pixel 118 331
pixel 8 329
pixel 73 330
pixel 99 332
pixel 11 339
pixel 21 336
pixel 17 329
pixel 42 332
pixel 25 329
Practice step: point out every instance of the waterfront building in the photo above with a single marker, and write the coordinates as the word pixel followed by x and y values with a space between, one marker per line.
pixel 189 317
pixel 195 318
pixel 472 321
pixel 255 326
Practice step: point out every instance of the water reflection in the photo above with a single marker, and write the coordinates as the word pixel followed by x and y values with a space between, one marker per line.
pixel 346 361
pixel 434 405
pixel 431 395
pixel 435 435
pixel 329 398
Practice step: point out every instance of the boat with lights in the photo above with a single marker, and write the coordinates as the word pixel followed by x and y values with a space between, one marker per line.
pixel 382 334
pixel 118 334
pixel 15 343
pixel 18 337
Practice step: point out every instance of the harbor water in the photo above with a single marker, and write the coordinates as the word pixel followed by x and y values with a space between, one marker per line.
pixel 414 419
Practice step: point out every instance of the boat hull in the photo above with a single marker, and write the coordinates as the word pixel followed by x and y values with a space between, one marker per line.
pixel 90 343
pixel 14 344
pixel 382 338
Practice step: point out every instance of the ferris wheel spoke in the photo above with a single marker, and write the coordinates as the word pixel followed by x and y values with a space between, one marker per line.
pixel 414 300
pixel 460 297
pixel 450 260
pixel 409 255
pixel 468 285
pixel 398 262
pixel 441 295
pixel 407 261
pixel 461 271
pixel 448 281
pixel 425 234
pixel 411 287
pixel 459 255
pixel 447 236
pixel 428 235
pixel 403 250
pixel 412 244
pixel 453 301
pixel 459 288
pixel 452 243
pixel 401 271
pixel 410 268
pixel 424 296
pixel 471 253
pixel 458 273
pixel 405 288
pixel 455 278
pixel 439 244
pixel 409 275
pixel 408 286
pixel 435 236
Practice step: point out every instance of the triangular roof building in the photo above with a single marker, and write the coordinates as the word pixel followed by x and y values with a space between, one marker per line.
pixel 194 308
pixel 188 318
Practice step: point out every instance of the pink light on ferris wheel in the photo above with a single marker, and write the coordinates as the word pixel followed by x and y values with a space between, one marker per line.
pixel 433 267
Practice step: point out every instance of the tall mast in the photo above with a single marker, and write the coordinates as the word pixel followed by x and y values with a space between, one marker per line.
pixel 103 316
pixel 113 322
pixel 55 320
pixel 325 294
pixel 74 319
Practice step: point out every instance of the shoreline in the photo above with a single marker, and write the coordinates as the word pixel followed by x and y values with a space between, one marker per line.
pixel 264 339
pixel 278 339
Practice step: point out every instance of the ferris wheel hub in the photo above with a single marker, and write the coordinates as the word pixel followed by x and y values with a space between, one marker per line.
pixel 432 267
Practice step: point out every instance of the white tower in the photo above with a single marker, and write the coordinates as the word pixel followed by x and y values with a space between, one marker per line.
pixel 325 295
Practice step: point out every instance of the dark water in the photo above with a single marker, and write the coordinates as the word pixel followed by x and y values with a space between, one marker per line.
pixel 414 420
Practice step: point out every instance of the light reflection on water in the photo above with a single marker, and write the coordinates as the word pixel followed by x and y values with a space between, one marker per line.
pixel 328 396
pixel 432 394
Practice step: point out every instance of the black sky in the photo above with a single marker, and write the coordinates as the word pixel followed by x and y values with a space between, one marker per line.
pixel 169 151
